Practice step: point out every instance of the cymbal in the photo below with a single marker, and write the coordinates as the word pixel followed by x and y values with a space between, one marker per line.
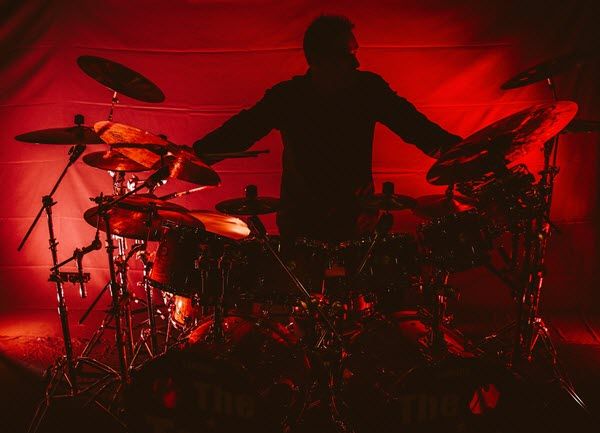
pixel 184 165
pixel 491 148
pixel 153 151
pixel 388 202
pixel 222 225
pixel 439 205
pixel 545 70
pixel 68 135
pixel 141 146
pixel 111 160
pixel 141 217
pixel 249 206
pixel 120 79
pixel 581 125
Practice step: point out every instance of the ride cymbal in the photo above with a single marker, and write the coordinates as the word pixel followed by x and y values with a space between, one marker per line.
pixel 121 79
pixel 490 149
pixel 113 161
pixel 68 135
pixel 141 217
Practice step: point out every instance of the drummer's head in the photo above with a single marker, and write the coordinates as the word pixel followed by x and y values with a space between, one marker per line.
pixel 330 46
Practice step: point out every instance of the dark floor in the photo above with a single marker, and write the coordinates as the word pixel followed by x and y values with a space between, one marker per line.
pixel 30 341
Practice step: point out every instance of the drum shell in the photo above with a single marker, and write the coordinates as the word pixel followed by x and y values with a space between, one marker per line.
pixel 255 379
pixel 175 268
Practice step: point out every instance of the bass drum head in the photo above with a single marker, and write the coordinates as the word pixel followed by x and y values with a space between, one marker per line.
pixel 387 384
pixel 255 380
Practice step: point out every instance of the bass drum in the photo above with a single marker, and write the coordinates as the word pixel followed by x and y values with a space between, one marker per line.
pixel 388 383
pixel 254 379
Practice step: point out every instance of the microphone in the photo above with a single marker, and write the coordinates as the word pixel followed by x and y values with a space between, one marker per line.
pixel 78 254
pixel 78 259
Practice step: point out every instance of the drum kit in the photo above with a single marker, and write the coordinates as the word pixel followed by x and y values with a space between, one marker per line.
pixel 244 333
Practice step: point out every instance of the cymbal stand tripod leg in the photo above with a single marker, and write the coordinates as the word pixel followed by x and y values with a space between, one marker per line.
pixel 531 326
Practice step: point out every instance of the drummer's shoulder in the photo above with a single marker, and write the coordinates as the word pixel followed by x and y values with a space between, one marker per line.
pixel 371 78
pixel 294 84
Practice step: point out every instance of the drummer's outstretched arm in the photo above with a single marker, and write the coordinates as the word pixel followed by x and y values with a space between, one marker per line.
pixel 242 130
pixel 410 124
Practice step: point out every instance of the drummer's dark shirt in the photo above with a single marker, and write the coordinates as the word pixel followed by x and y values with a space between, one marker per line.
pixel 327 155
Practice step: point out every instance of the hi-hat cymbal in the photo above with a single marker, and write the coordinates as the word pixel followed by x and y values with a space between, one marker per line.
pixel 141 217
pixel 120 79
pixel 222 225
pixel 491 148
pixel 439 205
pixel 544 70
pixel 113 161
pixel 249 206
pixel 68 135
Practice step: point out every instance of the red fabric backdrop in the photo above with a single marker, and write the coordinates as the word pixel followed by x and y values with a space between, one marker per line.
pixel 214 57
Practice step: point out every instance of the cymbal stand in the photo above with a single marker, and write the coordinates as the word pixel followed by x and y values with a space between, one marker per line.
pixel 120 188
pixel 531 327
pixel 149 302
pixel 115 289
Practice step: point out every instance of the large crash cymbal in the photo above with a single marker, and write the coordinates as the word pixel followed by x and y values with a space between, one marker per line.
pixel 69 135
pixel 546 69
pixel 504 141
pixel 142 217
pixel 153 151
pixel 113 161
pixel 440 205
pixel 120 79
pixel 222 225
